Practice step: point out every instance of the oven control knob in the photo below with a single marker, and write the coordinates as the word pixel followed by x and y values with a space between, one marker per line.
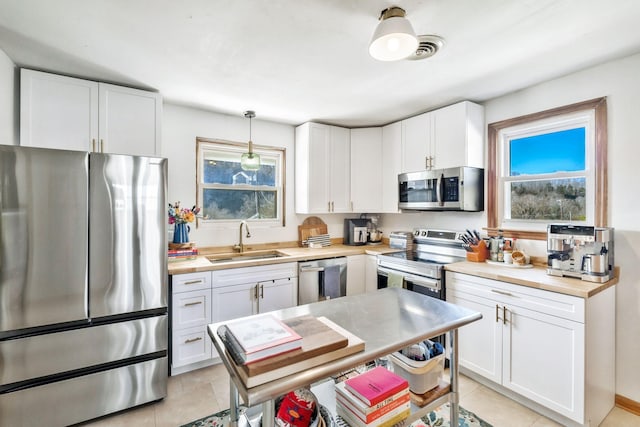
pixel 424 233
pixel 417 232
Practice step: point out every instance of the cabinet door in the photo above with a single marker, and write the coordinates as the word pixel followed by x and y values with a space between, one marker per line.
pixel 416 142
pixel 458 136
pixel 129 121
pixel 339 170
pixel 57 111
pixel 366 167
pixel 277 294
pixel 391 166
pixel 231 302
pixel 371 273
pixel 480 342
pixel 312 167
pixel 355 274
pixel 543 359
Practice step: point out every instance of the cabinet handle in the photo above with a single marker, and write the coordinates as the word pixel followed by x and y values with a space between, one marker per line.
pixel 190 340
pixel 93 144
pixel 426 162
pixel 497 313
pixel 332 207
pixel 504 315
pixel 501 292
pixel 192 303
pixel 262 291
pixel 329 206
pixel 193 282
pixel 255 292
pixel 431 162
pixel 102 146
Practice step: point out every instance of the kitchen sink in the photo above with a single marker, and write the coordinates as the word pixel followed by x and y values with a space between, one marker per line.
pixel 248 256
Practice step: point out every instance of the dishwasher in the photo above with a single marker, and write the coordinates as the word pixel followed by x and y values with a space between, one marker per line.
pixel 322 279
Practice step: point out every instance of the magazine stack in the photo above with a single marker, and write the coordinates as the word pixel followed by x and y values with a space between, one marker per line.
pixel 377 397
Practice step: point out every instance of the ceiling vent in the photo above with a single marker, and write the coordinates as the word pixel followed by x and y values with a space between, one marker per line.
pixel 428 45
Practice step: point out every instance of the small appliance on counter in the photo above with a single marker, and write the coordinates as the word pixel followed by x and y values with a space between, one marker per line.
pixel 583 252
pixel 355 231
pixel 402 240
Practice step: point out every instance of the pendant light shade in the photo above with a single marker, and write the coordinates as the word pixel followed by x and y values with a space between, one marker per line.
pixel 394 38
pixel 250 161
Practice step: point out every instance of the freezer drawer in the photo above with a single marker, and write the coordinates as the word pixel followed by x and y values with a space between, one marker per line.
pixel 83 398
pixel 42 355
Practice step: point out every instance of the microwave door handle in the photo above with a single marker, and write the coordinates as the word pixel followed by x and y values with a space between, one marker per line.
pixel 440 189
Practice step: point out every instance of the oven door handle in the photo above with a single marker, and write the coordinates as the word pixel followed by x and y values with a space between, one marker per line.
pixel 417 280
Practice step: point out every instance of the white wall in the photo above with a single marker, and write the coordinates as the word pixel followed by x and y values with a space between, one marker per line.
pixel 618 81
pixel 180 127
pixel 8 101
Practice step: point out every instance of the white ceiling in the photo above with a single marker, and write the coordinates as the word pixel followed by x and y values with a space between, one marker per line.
pixel 299 60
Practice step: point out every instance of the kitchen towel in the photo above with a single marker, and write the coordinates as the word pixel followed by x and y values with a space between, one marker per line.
pixel 395 280
pixel 332 281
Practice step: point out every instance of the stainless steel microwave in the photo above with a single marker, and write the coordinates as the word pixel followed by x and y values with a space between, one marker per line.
pixel 452 189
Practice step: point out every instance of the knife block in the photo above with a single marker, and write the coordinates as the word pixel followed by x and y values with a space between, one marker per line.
pixel 479 253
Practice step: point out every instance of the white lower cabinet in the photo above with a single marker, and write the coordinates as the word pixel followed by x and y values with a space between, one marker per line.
pixel 190 315
pixel 371 273
pixel 355 274
pixel 540 346
pixel 199 299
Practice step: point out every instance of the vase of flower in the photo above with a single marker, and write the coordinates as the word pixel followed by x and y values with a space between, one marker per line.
pixel 179 217
pixel 181 233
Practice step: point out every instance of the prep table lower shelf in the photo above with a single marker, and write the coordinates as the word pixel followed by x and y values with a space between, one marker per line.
pixel 387 320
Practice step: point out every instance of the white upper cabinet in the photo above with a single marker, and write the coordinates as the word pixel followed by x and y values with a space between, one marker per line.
pixel 416 142
pixel 74 114
pixel 449 137
pixel 129 120
pixel 391 166
pixel 322 177
pixel 458 136
pixel 366 162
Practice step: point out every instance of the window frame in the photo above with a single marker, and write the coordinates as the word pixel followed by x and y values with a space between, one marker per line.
pixel 494 189
pixel 263 150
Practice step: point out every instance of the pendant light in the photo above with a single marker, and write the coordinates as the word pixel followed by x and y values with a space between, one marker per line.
pixel 250 161
pixel 394 38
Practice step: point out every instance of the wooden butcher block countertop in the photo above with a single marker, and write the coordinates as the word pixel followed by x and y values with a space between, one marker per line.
pixel 535 277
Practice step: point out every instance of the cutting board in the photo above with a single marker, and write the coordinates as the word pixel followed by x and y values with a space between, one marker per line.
pixel 306 360
pixel 312 226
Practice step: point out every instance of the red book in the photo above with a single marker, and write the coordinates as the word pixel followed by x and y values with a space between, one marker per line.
pixel 368 414
pixel 374 386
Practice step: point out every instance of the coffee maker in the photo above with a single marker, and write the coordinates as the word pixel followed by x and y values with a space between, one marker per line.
pixel 579 251
pixel 355 231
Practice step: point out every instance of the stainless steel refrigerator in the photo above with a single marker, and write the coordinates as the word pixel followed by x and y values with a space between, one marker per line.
pixel 83 284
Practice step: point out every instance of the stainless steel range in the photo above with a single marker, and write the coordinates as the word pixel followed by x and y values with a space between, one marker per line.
pixel 421 270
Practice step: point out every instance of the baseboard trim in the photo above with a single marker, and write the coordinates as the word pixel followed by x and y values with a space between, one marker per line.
pixel 628 404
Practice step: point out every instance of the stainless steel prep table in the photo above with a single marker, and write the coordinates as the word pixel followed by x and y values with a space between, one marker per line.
pixel 387 320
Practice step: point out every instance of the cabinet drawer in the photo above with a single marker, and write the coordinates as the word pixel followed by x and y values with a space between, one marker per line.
pixel 190 346
pixel 191 309
pixel 191 282
pixel 552 303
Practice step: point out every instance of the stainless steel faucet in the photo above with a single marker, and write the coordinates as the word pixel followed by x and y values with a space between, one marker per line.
pixel 240 246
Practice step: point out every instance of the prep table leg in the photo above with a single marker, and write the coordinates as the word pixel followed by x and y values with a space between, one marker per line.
pixel 453 370
pixel 268 413
pixel 234 401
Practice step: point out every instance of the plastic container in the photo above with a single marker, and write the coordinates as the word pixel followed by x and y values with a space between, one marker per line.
pixel 422 376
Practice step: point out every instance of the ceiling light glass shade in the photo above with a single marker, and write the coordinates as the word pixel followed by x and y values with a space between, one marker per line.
pixel 250 161
pixel 394 38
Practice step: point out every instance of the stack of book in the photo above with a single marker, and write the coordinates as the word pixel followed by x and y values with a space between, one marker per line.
pixel 377 397
pixel 182 254
pixel 258 338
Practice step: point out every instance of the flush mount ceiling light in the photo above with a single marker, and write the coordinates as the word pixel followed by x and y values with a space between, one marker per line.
pixel 394 38
pixel 250 161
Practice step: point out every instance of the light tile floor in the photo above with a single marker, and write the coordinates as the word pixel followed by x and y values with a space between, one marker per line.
pixel 199 393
